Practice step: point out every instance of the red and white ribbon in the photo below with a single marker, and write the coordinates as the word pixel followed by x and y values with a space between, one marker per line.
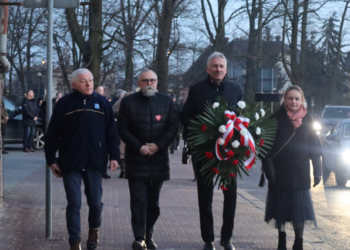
pixel 240 123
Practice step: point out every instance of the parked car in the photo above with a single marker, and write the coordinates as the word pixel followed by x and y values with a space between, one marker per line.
pixel 329 116
pixel 14 128
pixel 336 147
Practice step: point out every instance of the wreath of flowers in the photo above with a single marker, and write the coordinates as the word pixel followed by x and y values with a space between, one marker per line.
pixel 229 142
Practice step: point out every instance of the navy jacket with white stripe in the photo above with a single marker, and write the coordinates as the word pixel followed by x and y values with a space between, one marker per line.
pixel 83 130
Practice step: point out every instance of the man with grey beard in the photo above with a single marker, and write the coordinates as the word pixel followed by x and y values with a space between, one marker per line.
pixel 148 123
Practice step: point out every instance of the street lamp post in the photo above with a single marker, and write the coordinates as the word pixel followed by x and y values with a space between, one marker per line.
pixel 40 76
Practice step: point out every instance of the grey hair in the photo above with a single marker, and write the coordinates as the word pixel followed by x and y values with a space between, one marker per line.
pixel 76 73
pixel 144 71
pixel 216 54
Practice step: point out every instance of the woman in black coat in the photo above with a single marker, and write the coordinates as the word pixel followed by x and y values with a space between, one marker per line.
pixel 287 167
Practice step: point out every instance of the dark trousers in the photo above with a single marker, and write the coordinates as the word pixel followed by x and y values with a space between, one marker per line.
pixel 28 137
pixel 93 192
pixel 122 165
pixel 3 132
pixel 144 204
pixel 205 200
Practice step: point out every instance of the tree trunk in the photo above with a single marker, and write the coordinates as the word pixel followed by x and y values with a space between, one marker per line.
pixel 336 77
pixel 129 66
pixel 220 41
pixel 91 49
pixel 294 44
pixel 161 63
pixel 303 47
pixel 28 52
pixel 61 62
pixel 95 39
pixel 251 76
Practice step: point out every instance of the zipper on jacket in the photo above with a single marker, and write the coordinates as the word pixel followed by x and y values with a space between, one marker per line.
pixel 85 153
pixel 217 92
pixel 151 132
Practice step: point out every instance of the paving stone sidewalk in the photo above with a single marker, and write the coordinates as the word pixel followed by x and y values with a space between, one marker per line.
pixel 22 219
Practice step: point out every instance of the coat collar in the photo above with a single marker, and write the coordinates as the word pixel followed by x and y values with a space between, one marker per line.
pixel 80 95
pixel 212 85
pixel 281 114
pixel 146 98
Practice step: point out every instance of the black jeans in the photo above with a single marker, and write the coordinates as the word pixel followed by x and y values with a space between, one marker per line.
pixel 144 204
pixel 93 192
pixel 28 137
pixel 205 200
pixel 122 165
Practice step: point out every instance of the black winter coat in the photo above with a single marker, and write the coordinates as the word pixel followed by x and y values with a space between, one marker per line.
pixel 144 120
pixel 30 111
pixel 292 164
pixel 204 91
pixel 83 130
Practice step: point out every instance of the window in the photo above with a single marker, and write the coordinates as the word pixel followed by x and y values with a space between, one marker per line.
pixel 346 131
pixel 341 113
pixel 10 108
pixel 231 72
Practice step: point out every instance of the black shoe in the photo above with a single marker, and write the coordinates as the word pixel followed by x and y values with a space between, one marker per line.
pixel 5 152
pixel 227 245
pixel 75 246
pixel 298 244
pixel 122 174
pixel 282 241
pixel 26 150
pixel 106 176
pixel 150 244
pixel 92 241
pixel 139 245
pixel 209 246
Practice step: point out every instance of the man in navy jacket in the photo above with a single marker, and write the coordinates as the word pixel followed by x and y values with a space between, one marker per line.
pixel 83 131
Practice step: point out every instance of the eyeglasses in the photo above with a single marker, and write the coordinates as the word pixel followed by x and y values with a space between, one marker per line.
pixel 152 81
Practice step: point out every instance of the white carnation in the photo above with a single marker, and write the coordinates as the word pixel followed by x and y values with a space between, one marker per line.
pixel 262 112
pixel 235 144
pixel 257 116
pixel 222 129
pixel 258 131
pixel 241 104
pixel 243 132
pixel 221 141
pixel 215 105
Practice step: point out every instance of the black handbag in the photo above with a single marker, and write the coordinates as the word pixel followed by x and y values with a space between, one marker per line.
pixel 185 154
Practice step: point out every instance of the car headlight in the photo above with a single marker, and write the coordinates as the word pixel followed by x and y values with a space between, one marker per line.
pixel 317 126
pixel 346 156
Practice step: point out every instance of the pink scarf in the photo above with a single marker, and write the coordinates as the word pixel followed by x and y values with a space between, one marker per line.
pixel 296 117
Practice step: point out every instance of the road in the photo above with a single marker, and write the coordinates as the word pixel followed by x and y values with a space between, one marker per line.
pixel 331 203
